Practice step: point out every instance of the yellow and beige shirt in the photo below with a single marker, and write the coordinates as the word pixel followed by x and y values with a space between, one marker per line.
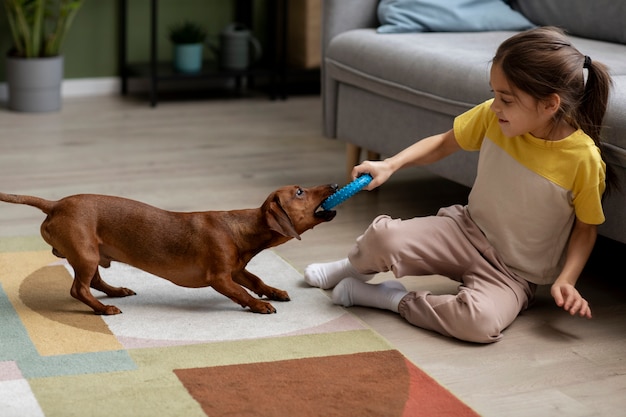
pixel 528 191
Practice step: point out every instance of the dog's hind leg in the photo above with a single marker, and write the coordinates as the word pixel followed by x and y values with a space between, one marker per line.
pixel 84 274
pixel 255 284
pixel 97 283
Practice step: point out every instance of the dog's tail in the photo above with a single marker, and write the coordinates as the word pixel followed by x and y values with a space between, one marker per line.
pixel 40 203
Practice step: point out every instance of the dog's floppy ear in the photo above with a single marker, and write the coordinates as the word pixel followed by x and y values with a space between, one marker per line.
pixel 279 221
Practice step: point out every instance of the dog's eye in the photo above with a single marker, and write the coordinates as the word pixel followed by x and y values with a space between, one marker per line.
pixel 299 192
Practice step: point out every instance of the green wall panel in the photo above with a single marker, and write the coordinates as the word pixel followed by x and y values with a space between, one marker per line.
pixel 91 49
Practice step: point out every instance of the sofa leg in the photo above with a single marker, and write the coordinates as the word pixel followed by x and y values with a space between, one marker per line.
pixel 373 156
pixel 353 157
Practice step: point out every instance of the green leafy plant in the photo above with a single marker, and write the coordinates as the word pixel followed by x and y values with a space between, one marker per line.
pixel 39 27
pixel 187 32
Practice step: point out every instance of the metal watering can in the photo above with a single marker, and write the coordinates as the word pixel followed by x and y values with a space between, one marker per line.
pixel 237 48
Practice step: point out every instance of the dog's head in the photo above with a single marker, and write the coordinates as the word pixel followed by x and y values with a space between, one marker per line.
pixel 292 210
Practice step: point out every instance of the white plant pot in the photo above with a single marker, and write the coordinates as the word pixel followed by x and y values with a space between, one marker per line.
pixel 34 84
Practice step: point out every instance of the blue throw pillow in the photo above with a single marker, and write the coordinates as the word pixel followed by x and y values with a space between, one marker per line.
pixel 398 16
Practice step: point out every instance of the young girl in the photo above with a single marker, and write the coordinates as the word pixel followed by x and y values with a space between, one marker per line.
pixel 532 213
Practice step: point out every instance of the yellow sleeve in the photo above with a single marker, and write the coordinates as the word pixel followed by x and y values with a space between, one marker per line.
pixel 588 189
pixel 471 126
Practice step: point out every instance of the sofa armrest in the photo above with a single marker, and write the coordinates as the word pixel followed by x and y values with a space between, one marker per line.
pixel 340 16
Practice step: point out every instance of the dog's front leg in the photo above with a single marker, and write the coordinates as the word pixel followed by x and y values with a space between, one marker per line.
pixel 255 284
pixel 225 285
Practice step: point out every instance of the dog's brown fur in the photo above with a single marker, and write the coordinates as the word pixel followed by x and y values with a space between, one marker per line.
pixel 200 249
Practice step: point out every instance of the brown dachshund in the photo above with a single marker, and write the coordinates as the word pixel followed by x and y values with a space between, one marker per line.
pixel 194 250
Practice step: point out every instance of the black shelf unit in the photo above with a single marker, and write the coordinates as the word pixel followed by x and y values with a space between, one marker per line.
pixel 272 66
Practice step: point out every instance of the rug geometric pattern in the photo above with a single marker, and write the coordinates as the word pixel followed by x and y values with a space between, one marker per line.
pixel 182 352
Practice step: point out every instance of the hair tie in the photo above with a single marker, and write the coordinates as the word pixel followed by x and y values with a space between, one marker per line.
pixel 587 63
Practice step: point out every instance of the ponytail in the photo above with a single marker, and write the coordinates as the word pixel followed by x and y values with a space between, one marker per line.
pixel 592 108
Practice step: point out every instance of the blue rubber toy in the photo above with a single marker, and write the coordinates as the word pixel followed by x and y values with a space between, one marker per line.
pixel 347 191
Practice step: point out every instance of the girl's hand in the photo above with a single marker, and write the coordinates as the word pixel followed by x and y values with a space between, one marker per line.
pixel 568 297
pixel 379 170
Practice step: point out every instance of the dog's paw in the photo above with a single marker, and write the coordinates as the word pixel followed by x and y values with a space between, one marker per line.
pixel 279 295
pixel 128 292
pixel 109 311
pixel 121 292
pixel 262 307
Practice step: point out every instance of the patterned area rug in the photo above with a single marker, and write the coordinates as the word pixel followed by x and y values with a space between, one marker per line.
pixel 193 352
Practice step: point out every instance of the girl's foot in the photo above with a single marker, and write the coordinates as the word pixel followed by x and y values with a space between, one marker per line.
pixel 386 295
pixel 327 275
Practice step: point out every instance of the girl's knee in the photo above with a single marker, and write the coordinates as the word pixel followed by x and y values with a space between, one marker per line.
pixel 458 316
pixel 375 249
pixel 481 330
pixel 382 234
pixel 478 320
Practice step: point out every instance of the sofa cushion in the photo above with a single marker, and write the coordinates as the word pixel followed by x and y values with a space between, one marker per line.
pixel 399 16
pixel 438 70
pixel 448 72
pixel 597 19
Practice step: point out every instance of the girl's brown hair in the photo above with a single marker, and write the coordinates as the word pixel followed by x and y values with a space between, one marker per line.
pixel 543 61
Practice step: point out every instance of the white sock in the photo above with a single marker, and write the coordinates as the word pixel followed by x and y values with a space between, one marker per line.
pixel 386 295
pixel 327 275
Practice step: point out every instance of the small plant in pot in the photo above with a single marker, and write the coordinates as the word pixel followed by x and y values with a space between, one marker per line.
pixel 34 63
pixel 188 39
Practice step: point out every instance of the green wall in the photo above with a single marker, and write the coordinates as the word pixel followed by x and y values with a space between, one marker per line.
pixel 91 49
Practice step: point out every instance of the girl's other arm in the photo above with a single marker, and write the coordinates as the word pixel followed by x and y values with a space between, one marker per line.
pixel 423 152
pixel 581 243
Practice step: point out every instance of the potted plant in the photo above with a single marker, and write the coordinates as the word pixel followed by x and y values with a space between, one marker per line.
pixel 34 63
pixel 188 39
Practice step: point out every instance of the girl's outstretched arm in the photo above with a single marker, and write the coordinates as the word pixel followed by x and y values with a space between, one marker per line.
pixel 563 290
pixel 423 152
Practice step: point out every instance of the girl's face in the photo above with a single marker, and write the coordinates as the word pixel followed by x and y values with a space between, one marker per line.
pixel 518 112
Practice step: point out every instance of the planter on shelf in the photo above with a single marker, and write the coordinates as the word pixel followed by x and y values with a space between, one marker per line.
pixel 34 64
pixel 188 57
pixel 188 40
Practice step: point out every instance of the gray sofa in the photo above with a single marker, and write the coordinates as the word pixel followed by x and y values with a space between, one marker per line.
pixel 381 91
